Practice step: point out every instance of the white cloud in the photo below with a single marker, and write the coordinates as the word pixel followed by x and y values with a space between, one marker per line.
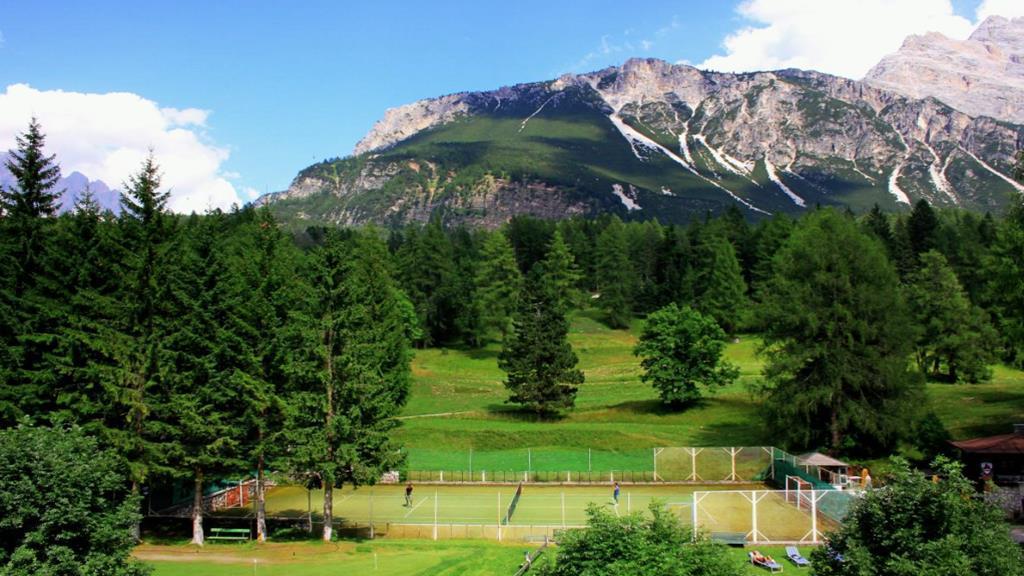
pixel 107 136
pixel 1005 8
pixel 835 36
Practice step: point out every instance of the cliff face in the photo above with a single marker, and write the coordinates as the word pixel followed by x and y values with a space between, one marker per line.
pixel 980 76
pixel 654 140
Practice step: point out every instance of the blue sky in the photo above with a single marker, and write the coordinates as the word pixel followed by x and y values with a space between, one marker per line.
pixel 287 85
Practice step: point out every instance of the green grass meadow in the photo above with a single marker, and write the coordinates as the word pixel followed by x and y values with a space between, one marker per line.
pixel 457 405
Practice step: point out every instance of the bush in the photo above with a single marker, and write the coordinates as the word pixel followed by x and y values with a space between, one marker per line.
pixel 64 506
pixel 635 545
pixel 920 527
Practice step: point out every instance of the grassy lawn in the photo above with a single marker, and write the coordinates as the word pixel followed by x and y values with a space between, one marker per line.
pixel 458 404
pixel 383 557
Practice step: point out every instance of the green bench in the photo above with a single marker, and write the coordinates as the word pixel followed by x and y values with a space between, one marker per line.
pixel 229 534
pixel 730 538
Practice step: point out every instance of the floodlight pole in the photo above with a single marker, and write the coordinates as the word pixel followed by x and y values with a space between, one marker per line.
pixel 371 513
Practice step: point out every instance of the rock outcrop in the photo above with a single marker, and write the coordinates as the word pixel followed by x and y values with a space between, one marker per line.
pixel 980 76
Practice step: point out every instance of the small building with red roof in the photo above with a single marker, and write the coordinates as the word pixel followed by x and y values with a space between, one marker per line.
pixel 997 458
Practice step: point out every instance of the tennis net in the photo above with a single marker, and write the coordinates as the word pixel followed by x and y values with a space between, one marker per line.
pixel 512 505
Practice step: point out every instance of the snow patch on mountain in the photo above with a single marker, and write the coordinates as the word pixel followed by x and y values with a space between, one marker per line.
pixel 774 177
pixel 628 202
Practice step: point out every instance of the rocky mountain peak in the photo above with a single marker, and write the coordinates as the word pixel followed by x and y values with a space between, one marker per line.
pixel 981 76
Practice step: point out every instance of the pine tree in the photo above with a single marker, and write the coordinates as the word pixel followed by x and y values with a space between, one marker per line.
pixel 955 341
pixel 341 425
pixel 209 359
pixel 837 338
pixel 146 235
pixel 427 269
pixel 559 266
pixel 29 307
pixel 85 357
pixel 922 228
pixel 498 282
pixel 614 275
pixel 537 356
pixel 1005 272
pixel 672 272
pixel 719 290
pixel 31 199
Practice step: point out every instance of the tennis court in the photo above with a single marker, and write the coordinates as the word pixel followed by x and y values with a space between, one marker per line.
pixel 492 511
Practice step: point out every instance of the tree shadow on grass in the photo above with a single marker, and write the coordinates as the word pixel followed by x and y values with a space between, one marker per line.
pixel 655 407
pixel 513 412
pixel 481 353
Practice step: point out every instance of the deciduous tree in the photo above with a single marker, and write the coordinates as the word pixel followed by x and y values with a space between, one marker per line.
pixel 681 351
pixel 64 506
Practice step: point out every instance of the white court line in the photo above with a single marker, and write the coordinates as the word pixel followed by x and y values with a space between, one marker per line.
pixel 413 509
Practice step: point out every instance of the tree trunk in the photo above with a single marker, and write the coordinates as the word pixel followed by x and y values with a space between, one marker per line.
pixel 261 502
pixel 136 526
pixel 327 480
pixel 197 510
pixel 328 510
pixel 834 429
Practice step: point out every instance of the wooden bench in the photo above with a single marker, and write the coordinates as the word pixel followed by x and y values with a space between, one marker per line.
pixel 229 534
pixel 730 538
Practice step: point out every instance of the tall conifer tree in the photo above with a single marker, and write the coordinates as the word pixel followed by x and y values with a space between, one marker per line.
pixel 614 275
pixel 341 427
pixel 499 282
pixel 537 356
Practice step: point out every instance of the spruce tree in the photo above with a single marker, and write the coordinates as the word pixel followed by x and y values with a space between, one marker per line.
pixel 209 360
pixel 614 275
pixel 276 304
pixel 719 289
pixel 1005 272
pixel 427 269
pixel 537 356
pixel 498 282
pixel 146 235
pixel 341 423
pixel 559 266
pixel 922 228
pixel 672 272
pixel 92 338
pixel 32 199
pixel 30 301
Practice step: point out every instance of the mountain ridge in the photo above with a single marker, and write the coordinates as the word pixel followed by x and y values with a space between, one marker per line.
pixel 651 139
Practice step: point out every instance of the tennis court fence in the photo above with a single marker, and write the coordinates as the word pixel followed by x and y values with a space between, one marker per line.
pixel 695 465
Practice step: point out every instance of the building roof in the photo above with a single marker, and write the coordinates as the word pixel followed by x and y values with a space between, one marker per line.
pixel 1002 444
pixel 818 459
